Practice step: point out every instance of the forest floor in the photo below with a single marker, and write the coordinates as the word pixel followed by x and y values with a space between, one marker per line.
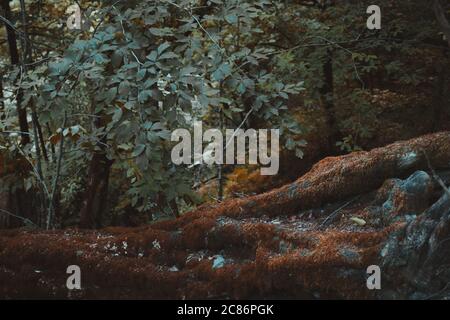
pixel 313 238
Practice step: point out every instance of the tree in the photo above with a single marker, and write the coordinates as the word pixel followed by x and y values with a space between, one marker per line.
pixel 15 60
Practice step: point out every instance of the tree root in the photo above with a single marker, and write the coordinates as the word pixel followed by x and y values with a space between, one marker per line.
pixel 274 245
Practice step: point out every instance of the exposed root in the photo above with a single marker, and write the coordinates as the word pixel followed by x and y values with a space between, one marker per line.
pixel 273 245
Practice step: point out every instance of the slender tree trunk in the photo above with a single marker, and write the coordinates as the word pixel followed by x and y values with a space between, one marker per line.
pixel 27 58
pixel 15 60
pixel 2 103
pixel 174 207
pixel 52 147
pixel 103 197
pixel 96 191
pixel 41 140
pixel 328 97
pixel 54 192
pixel 220 181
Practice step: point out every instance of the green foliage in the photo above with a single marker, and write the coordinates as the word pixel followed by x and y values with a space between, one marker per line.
pixel 152 68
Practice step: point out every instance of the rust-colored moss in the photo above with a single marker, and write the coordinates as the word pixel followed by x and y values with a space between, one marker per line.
pixel 194 234
pixel 259 256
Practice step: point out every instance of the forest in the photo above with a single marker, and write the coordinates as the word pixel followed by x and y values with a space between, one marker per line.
pixel 224 149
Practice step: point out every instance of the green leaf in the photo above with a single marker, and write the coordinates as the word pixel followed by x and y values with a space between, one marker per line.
pixel 111 95
pixel 152 56
pixel 141 74
pixel 144 96
pixel 222 72
pixel 168 55
pixel 231 18
pixel 124 88
pixel 163 47
pixel 149 83
pixel 161 31
pixel 138 150
pixel 117 115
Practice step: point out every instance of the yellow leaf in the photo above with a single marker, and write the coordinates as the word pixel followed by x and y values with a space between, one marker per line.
pixel 358 221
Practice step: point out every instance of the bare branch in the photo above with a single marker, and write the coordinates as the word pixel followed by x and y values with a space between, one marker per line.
pixel 26 220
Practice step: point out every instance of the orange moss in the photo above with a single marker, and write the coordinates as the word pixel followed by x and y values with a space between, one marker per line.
pixel 194 234
pixel 244 181
pixel 259 257
pixel 332 179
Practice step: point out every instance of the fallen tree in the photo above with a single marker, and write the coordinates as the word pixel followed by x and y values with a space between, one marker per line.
pixel 313 238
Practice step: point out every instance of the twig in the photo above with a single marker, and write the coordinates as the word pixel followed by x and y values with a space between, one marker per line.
pixel 126 38
pixel 104 17
pixel 26 220
pixel 11 25
pixel 351 54
pixel 35 171
pixel 239 127
pixel 335 212
pixel 199 24
pixel 16 132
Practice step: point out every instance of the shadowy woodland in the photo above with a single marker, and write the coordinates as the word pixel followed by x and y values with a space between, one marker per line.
pixel 88 104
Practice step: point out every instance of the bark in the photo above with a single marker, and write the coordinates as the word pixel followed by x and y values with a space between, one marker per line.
pixel 96 191
pixel 327 92
pixel 41 139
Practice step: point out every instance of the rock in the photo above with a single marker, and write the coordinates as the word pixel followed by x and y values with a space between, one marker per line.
pixel 218 262
pixel 349 254
pixel 173 269
pixel 410 196
pixel 408 160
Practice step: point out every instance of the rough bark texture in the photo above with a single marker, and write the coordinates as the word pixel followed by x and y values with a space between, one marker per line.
pixel 298 241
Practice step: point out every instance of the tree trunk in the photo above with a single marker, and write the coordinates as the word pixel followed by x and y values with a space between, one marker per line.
pixel 439 99
pixel 327 92
pixel 96 193
pixel 95 196
pixel 2 103
pixel 15 60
